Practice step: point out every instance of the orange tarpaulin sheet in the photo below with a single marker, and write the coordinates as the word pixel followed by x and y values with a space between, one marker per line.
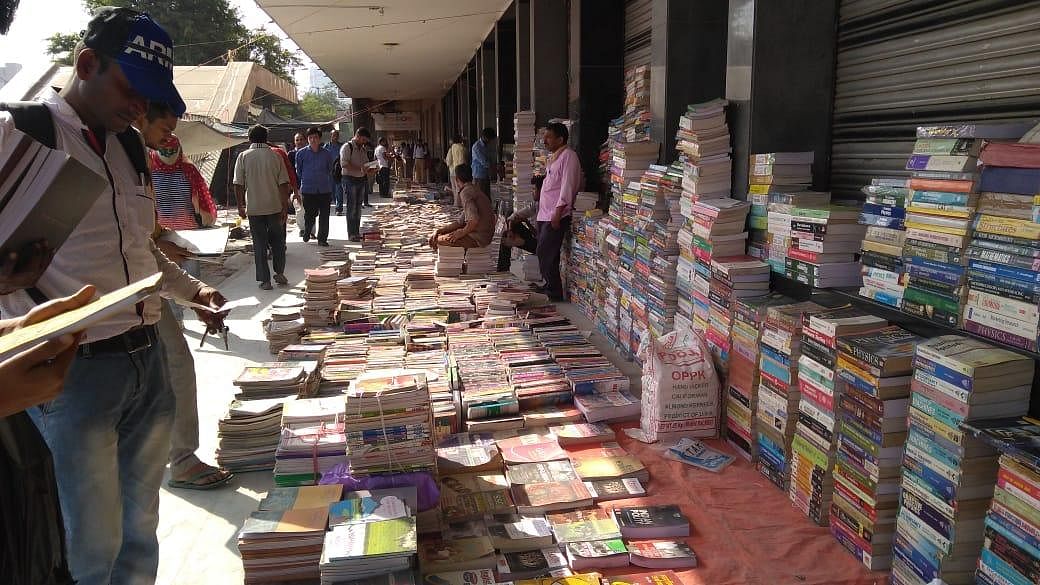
pixel 743 529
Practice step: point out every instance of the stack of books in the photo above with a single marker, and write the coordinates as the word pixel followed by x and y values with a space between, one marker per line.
pixel 247 435
pixel 355 298
pixel 815 442
pixel 523 265
pixel 389 424
pixel 344 360
pixel 321 304
pixel 334 254
pixel 881 253
pixel 732 278
pixel 484 260
pixel 636 124
pixel 489 401
pixel 1003 265
pixel 1010 548
pixel 586 268
pixel 282 545
pixel 872 409
pixel 274 380
pixel 371 533
pixel 704 153
pixel 716 230
pixel 449 261
pixel 824 242
pixel 778 395
pixel 306 452
pixel 631 160
pixel 282 331
pixel 775 173
pixel 743 381
pixel 948 474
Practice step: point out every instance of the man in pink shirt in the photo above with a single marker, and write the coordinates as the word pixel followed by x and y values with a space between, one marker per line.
pixel 562 181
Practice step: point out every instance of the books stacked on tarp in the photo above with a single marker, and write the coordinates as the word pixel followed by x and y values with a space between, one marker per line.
pixel 881 253
pixel 371 533
pixel 488 399
pixel 1004 254
pixel 247 435
pixel 449 260
pixel 275 380
pixel 1010 548
pixel 306 452
pixel 815 442
pixel 824 242
pixel 321 306
pixel 732 278
pixel 284 543
pixel 948 474
pixel 743 381
pixel 872 408
pixel 716 229
pixel 778 394
pixel 389 424
pixel 523 159
pixel 770 174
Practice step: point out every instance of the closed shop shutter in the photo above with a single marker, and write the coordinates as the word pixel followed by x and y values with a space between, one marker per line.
pixel 637 32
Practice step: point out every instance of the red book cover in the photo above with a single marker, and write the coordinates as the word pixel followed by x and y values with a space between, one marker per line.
pixel 531 449
pixel 1011 154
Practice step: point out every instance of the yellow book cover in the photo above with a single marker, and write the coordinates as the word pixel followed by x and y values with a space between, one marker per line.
pixel 939 209
pixel 607 467
pixel 936 228
pixel 1006 226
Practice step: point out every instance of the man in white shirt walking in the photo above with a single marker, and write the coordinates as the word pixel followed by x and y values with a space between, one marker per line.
pixel 262 192
pixel 383 174
pixel 420 154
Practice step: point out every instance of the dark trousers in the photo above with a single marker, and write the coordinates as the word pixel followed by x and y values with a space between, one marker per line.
pixel 316 205
pixel 485 186
pixel 548 251
pixel 268 232
pixel 354 196
pixel 337 195
pixel 368 189
pixel 383 180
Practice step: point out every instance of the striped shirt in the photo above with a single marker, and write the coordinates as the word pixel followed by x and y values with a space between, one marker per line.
pixel 173 201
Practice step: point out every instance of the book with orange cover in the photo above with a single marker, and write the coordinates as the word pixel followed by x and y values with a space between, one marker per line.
pixel 531 448
pixel 538 498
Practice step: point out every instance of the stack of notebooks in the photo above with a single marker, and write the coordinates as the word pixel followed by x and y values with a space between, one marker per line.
pixel 282 540
pixel 948 474
pixel 488 399
pixel 824 242
pixel 449 260
pixel 873 369
pixel 306 452
pixel 732 278
pixel 881 253
pixel 284 329
pixel 321 303
pixel 274 380
pixel 815 444
pixel 1003 266
pixel 778 394
pixel 769 174
pixel 247 435
pixel 743 381
pixel 389 424
pixel 1010 552
pixel 371 533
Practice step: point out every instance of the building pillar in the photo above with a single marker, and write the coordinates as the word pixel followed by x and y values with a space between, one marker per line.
pixel 472 81
pixel 549 59
pixel 523 54
pixel 505 52
pixel 488 83
pixel 687 62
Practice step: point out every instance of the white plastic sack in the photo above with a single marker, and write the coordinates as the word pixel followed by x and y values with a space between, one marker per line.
pixel 680 388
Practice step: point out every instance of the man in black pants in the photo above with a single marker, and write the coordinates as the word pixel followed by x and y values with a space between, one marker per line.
pixel 314 168
pixel 262 192
pixel 562 181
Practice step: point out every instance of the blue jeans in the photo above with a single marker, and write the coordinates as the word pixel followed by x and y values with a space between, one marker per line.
pixel 354 193
pixel 109 433
pixel 337 195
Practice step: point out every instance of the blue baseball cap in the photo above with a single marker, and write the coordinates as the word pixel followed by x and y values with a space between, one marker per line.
pixel 143 50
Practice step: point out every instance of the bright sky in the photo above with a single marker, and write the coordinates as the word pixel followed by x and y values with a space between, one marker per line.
pixel 26 42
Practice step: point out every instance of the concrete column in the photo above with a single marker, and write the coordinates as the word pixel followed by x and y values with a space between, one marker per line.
pixel 472 81
pixel 488 83
pixel 523 54
pixel 505 52
pixel 687 62
pixel 549 59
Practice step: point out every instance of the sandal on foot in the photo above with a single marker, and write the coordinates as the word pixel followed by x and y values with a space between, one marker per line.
pixel 193 482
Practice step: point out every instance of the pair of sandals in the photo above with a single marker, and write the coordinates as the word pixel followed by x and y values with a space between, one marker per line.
pixel 218 477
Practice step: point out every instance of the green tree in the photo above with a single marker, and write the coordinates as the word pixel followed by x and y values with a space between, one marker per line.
pixel 60 46
pixel 318 105
pixel 203 33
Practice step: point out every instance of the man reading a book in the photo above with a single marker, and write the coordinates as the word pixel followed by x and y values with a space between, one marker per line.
pixel 109 429
pixel 478 224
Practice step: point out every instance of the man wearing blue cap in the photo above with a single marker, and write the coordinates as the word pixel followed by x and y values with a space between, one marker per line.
pixel 109 429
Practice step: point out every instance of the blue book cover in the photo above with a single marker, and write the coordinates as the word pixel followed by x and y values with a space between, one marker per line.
pixel 881 220
pixel 1010 180
pixel 940 197
pixel 1022 287
pixel 1004 271
pixel 945 373
pixel 1002 568
pixel 1016 535
pixel 884 210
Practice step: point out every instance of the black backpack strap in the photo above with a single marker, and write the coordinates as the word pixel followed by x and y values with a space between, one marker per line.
pixel 132 143
pixel 35 120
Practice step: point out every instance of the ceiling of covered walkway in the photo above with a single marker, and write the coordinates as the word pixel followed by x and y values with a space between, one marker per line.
pixel 389 49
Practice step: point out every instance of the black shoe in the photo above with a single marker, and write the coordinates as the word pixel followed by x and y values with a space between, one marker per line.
pixel 323 243
pixel 266 285
pixel 339 212
pixel 306 238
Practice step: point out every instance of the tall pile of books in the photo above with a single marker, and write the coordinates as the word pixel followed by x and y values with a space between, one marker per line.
pixel 1003 265
pixel 484 260
pixel 636 125
pixel 489 401
pixel 872 408
pixel 704 152
pixel 815 442
pixel 824 242
pixel 522 264
pixel 881 253
pixel 389 424
pixel 778 394
pixel 948 474
pixel 776 173
pixel 609 297
pixel 732 278
pixel 586 268
pixel 449 261
pixel 321 306
pixel 283 544
pixel 743 381
pixel 247 435
pixel 716 230
pixel 1010 547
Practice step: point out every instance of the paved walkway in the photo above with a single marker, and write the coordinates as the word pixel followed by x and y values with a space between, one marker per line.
pixel 198 529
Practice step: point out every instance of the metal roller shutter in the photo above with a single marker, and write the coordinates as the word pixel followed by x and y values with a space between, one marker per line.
pixel 637 32
pixel 905 63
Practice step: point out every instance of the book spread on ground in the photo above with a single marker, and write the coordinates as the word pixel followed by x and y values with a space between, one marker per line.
pixel 78 319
